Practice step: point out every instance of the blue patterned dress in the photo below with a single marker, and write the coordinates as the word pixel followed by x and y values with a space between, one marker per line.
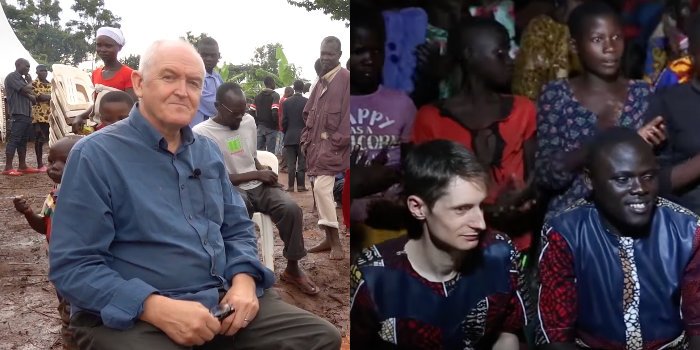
pixel 564 125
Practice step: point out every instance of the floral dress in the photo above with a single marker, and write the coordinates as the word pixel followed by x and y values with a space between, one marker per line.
pixel 564 125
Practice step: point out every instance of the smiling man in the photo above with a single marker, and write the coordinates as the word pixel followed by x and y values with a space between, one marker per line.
pixel 621 271
pixel 448 284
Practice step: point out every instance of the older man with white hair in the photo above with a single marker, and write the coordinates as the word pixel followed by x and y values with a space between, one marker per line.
pixel 152 247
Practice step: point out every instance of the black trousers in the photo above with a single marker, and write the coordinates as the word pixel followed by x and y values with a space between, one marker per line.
pixel 296 165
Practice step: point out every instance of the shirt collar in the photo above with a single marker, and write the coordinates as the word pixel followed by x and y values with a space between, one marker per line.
pixel 152 136
pixel 328 77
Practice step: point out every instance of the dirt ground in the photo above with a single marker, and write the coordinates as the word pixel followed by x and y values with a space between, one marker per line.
pixel 28 316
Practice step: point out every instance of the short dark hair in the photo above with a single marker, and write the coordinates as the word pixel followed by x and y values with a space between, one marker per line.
pixel 332 39
pixel 206 41
pixel 225 88
pixel 298 85
pixel 117 96
pixel 41 66
pixel 268 81
pixel 20 60
pixel 317 66
pixel 604 141
pixel 429 167
pixel 468 29
pixel 366 17
pixel 588 10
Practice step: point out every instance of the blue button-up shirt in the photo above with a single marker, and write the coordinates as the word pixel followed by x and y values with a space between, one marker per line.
pixel 206 102
pixel 134 220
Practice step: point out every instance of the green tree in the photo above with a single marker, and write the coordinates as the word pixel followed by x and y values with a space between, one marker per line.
pixel 131 61
pixel 338 9
pixel 192 39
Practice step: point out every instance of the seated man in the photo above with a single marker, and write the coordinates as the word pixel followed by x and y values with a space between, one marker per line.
pixel 149 239
pixel 620 271
pixel 449 284
pixel 235 133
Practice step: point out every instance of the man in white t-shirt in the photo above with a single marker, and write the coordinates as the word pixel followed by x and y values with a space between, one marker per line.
pixel 236 134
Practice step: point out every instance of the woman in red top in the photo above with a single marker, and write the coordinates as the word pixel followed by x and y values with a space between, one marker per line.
pixel 499 129
pixel 113 74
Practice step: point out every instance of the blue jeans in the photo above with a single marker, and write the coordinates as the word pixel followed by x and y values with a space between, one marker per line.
pixel 267 139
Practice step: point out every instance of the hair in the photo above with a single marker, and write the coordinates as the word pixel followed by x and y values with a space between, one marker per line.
pixel 288 91
pixel 332 39
pixel 602 143
pixel 206 41
pixel 67 141
pixel 468 29
pixel 117 96
pixel 269 81
pixel 317 66
pixel 147 57
pixel 226 87
pixel 298 85
pixel 41 66
pixel 20 60
pixel 366 17
pixel 429 168
pixel 693 31
pixel 579 17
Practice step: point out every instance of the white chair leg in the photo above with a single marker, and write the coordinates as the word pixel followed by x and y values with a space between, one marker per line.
pixel 268 244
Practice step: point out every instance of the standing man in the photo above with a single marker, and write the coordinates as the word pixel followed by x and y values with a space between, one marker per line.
pixel 264 109
pixel 292 125
pixel 621 270
pixel 279 147
pixel 19 98
pixel 325 140
pixel 41 111
pixel 208 49
pixel 150 237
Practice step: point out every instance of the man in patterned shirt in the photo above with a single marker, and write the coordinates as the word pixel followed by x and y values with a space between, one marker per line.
pixel 40 113
pixel 621 271
pixel 449 284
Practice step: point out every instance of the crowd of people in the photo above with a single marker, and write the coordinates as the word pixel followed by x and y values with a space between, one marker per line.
pixel 151 243
pixel 524 174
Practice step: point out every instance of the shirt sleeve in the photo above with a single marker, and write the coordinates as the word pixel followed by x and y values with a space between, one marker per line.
pixel 275 100
pixel 516 319
pixel 79 257
pixel 690 290
pixel 530 113
pixel 423 124
pixel 664 152
pixel 15 82
pixel 341 137
pixel 556 302
pixel 363 316
pixel 549 158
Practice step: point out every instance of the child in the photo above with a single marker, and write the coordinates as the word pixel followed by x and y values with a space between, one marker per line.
pixel 114 106
pixel 58 155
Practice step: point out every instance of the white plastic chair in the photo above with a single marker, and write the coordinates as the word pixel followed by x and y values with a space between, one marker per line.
pixel 264 221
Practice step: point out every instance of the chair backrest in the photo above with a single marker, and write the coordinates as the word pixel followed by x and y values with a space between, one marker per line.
pixel 269 159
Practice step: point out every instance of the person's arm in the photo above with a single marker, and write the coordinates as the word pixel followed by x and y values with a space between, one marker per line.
pixel 79 120
pixel 275 108
pixel 263 174
pixel 253 108
pixel 556 300
pixel 36 222
pixel 506 341
pixel 240 240
pixel 363 315
pixel 341 137
pixel 554 168
pixel 285 116
pixel 83 232
pixel 515 315
pixel 690 293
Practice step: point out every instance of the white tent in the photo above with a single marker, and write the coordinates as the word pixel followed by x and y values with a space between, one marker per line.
pixel 11 49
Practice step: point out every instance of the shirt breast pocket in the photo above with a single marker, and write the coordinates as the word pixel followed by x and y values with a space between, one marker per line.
pixel 213 200
pixel 332 120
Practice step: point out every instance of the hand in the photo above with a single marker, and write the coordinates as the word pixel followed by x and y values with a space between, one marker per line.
pixel 358 157
pixel 187 323
pixel 267 177
pixel 28 78
pixel 381 158
pixel 244 301
pixel 21 205
pixel 78 125
pixel 653 132
pixel 32 98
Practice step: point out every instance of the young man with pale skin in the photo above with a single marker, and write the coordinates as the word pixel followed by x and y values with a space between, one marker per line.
pixel 151 238
pixel 449 283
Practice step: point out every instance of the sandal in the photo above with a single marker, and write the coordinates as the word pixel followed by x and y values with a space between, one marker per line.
pixel 302 283
pixel 29 171
pixel 12 172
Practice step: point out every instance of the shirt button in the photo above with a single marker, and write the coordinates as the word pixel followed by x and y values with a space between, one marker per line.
pixel 189 217
pixel 182 187
pixel 205 242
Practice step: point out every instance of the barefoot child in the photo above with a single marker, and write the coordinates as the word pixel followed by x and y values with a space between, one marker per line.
pixel 58 155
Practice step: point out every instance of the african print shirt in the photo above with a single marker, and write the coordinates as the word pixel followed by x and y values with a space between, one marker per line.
pixel 605 291
pixel 392 306
pixel 41 110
